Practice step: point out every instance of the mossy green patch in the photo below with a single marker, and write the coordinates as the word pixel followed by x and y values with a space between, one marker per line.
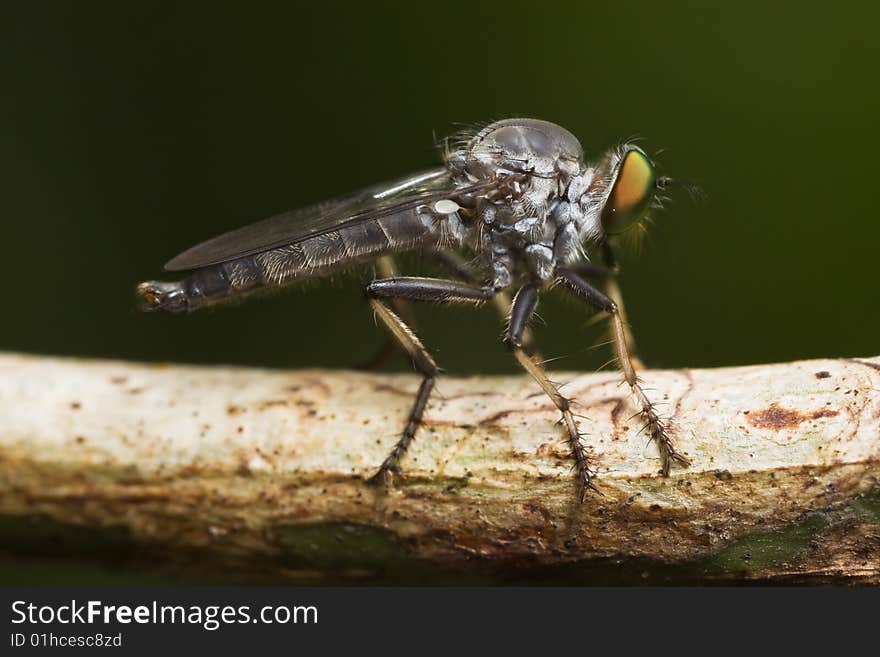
pixel 340 546
pixel 760 551
pixel 868 505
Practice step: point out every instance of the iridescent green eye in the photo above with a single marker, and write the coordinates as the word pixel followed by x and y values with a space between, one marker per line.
pixel 632 192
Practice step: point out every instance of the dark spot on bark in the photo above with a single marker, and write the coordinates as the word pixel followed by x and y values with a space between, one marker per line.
pixel 232 409
pixel 75 406
pixel 492 419
pixel 777 417
pixel 873 366
pixel 118 380
pixel 545 449
pixel 482 393
pixel 655 508
pixel 616 411
pixel 271 402
pixel 386 387
pixel 135 391
pixel 723 475
pixel 80 440
pixel 823 374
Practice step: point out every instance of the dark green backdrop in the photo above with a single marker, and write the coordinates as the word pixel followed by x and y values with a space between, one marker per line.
pixel 129 131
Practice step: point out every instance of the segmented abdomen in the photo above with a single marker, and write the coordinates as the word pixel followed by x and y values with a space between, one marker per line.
pixel 313 257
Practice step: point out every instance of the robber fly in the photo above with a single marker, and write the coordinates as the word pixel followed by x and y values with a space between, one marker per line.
pixel 517 194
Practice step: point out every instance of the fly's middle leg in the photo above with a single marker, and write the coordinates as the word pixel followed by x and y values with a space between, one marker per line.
pixel 456 265
pixel 655 426
pixel 415 289
pixel 521 311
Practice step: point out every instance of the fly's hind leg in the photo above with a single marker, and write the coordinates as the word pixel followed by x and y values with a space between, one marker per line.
pixel 522 309
pixel 415 289
pixel 655 426
pixel 425 365
pixel 386 267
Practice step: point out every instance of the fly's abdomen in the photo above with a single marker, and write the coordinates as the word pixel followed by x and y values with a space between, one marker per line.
pixel 310 258
pixel 203 286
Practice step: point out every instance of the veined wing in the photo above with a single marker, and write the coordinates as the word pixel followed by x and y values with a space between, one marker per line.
pixel 297 225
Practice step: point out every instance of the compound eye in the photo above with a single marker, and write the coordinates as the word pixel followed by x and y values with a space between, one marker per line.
pixel 631 194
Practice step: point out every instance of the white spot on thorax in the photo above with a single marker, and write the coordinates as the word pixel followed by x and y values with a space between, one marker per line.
pixel 445 206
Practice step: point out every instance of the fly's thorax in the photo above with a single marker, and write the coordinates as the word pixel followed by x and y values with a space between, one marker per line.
pixel 539 229
pixel 527 204
pixel 527 146
pixel 531 243
pixel 530 160
pixel 552 242
pixel 576 211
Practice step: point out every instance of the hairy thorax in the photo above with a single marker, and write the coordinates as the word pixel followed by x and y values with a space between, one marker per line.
pixel 532 222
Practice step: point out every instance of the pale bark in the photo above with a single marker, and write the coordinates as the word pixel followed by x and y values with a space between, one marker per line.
pixel 261 473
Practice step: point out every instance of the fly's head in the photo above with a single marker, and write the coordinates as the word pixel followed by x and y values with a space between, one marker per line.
pixel 622 192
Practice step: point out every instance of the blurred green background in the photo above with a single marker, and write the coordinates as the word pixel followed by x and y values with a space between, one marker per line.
pixel 130 131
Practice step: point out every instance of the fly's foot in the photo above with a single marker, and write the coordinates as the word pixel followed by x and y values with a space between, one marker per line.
pixel 384 476
pixel 660 435
pixel 579 455
pixel 585 482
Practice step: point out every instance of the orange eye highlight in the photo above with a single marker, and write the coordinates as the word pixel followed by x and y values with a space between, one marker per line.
pixel 632 193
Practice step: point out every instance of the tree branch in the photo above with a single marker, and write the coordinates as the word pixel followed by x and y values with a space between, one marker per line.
pixel 260 474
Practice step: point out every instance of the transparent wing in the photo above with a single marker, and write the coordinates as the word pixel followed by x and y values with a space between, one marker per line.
pixel 297 225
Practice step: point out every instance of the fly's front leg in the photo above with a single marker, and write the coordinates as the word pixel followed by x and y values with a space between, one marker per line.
pixel 416 289
pixel 657 430
pixel 592 271
pixel 459 268
pixel 521 311
pixel 612 289
pixel 606 277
